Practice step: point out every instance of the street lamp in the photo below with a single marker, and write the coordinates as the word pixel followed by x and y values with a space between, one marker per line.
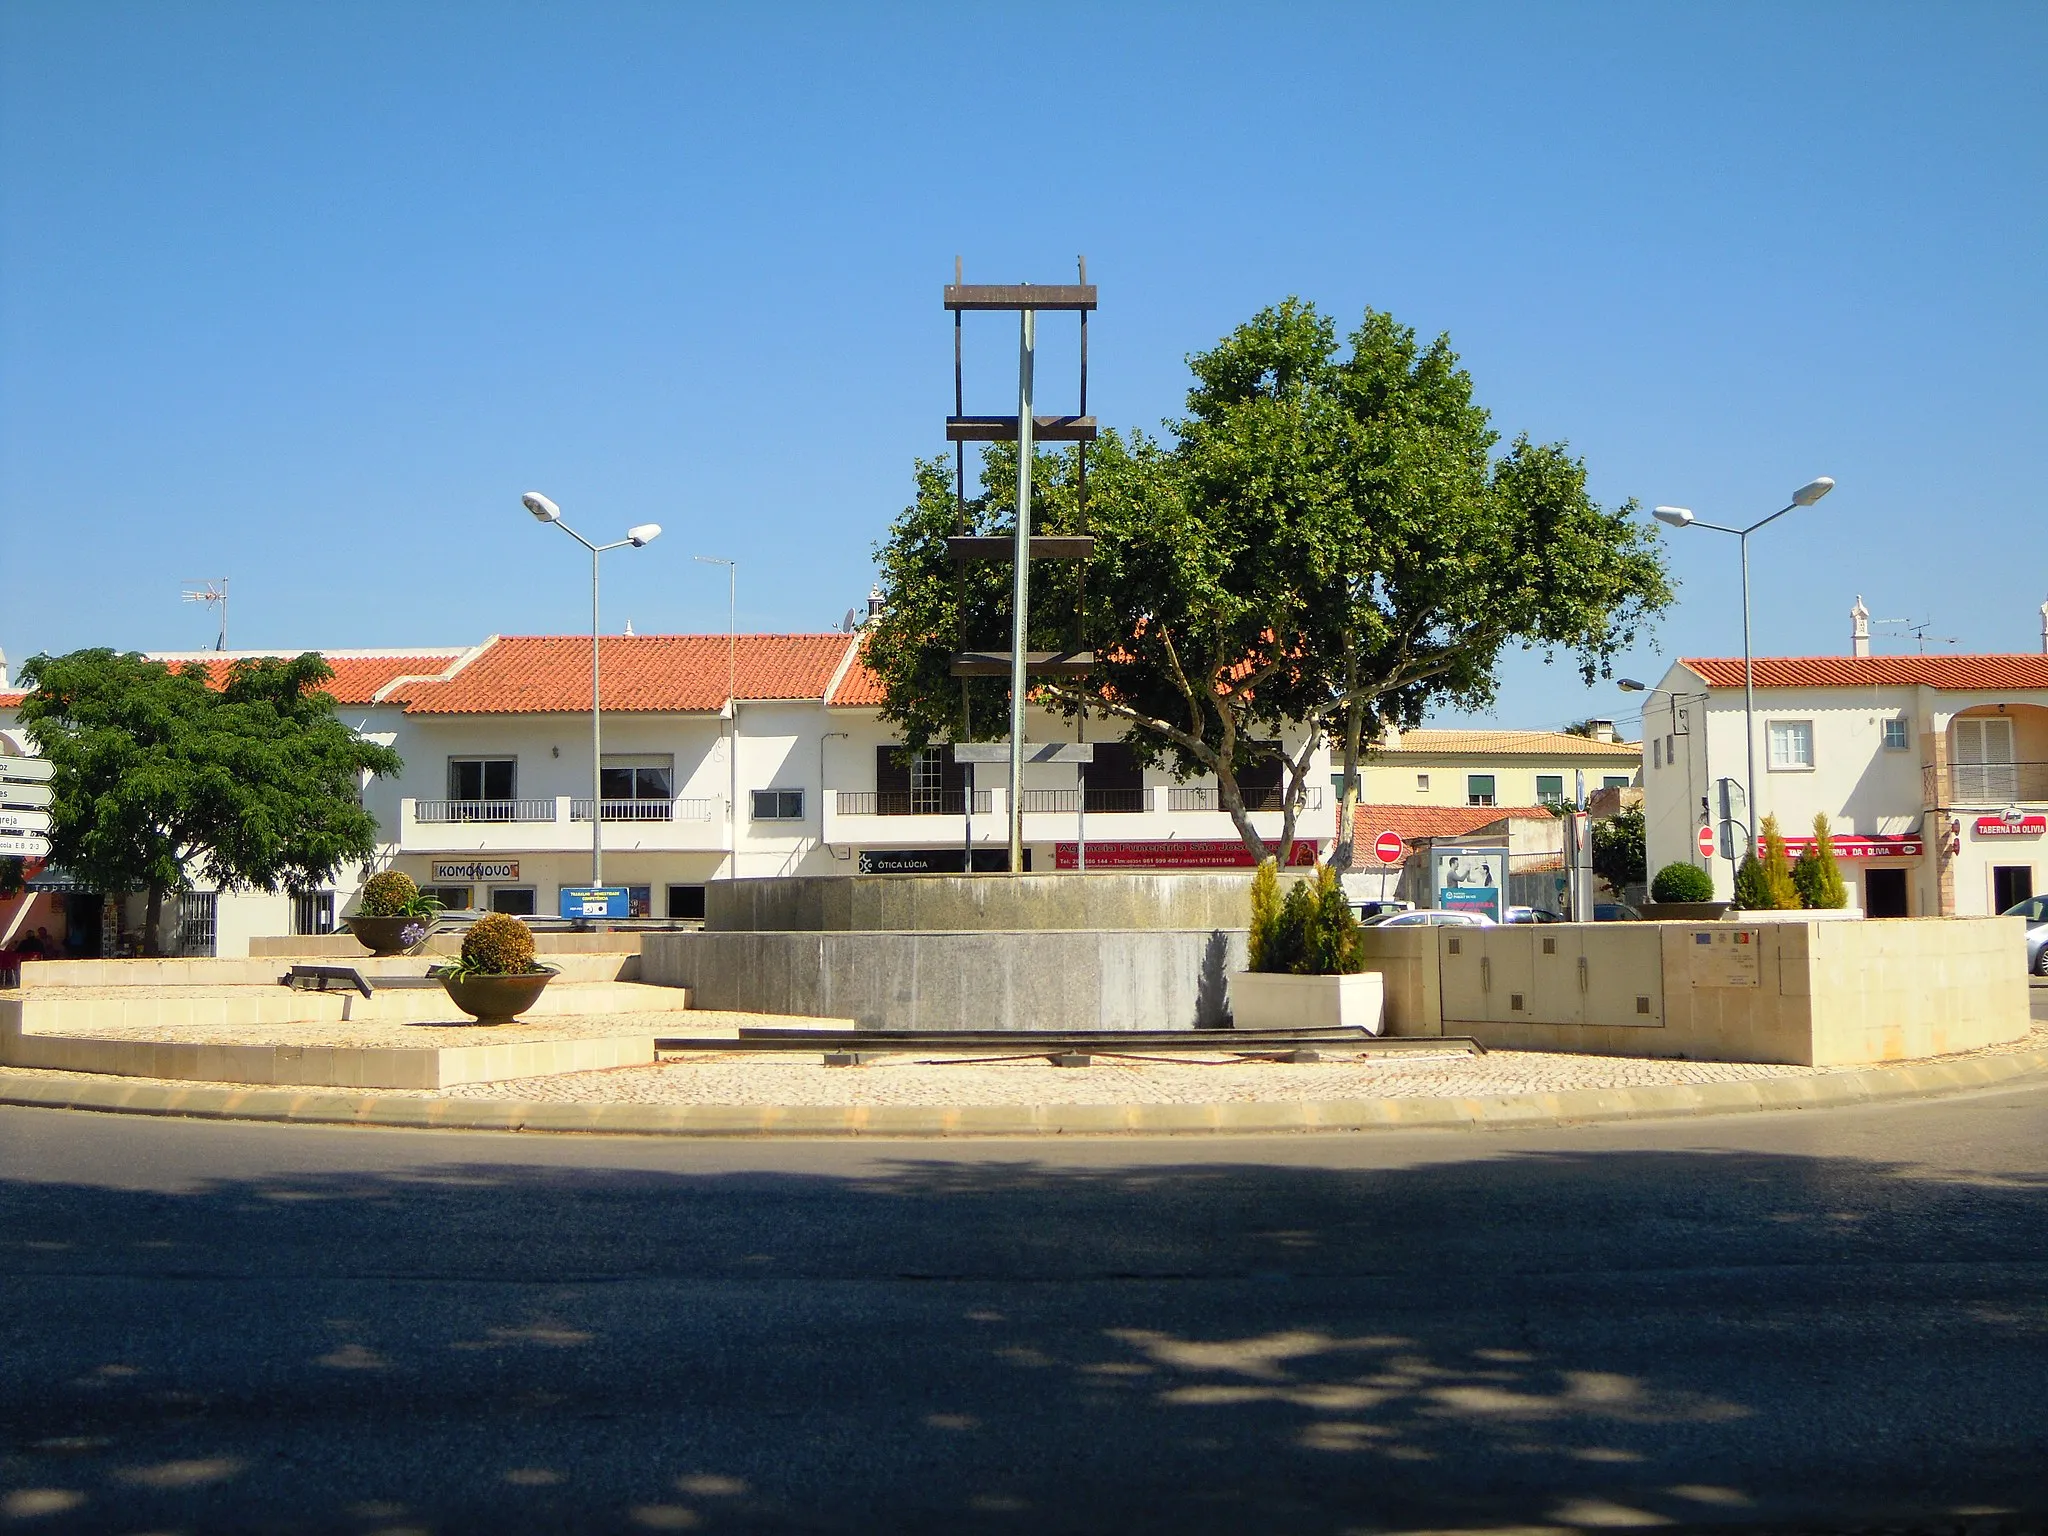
pixel 732 704
pixel 637 537
pixel 1681 517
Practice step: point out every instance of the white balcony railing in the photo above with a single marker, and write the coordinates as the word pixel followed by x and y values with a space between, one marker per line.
pixel 444 811
pixel 1204 797
pixel 1101 802
pixel 910 802
pixel 646 810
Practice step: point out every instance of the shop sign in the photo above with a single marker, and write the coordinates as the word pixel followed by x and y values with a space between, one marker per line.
pixel 1862 847
pixel 1469 880
pixel 1172 853
pixel 940 861
pixel 2012 824
pixel 470 871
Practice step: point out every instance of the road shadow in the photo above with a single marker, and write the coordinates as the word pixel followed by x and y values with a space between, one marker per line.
pixel 1581 1340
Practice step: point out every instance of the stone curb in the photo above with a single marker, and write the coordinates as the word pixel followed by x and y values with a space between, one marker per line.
pixel 1580 1106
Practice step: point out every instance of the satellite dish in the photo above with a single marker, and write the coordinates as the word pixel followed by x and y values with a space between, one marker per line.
pixel 851 621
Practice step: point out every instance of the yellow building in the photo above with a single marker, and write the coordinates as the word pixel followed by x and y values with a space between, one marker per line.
pixel 1505 768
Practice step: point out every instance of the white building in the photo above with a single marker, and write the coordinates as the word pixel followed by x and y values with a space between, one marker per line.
pixel 493 807
pixel 1932 770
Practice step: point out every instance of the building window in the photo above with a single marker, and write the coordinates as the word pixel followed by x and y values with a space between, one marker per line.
pixel 453 898
pixel 1550 789
pixel 1656 753
pixel 1791 744
pixel 312 912
pixel 1422 783
pixel 637 777
pixel 686 903
pixel 1479 789
pixel 482 778
pixel 639 901
pixel 1615 781
pixel 931 784
pixel 778 805
pixel 513 900
pixel 198 922
pixel 1670 748
pixel 1895 735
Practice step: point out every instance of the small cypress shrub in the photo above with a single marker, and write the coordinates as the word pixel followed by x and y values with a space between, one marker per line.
pixel 1778 886
pixel 498 945
pixel 1315 932
pixel 387 894
pixel 1816 875
pixel 1682 882
pixel 1752 891
pixel 1265 912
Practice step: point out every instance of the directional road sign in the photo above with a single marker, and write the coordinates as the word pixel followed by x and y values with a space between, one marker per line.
pixel 1034 752
pixel 27 770
pixel 24 795
pixel 1706 842
pixel 24 847
pixel 1388 848
pixel 24 821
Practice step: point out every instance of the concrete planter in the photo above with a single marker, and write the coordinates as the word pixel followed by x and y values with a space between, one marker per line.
pixel 1798 915
pixel 384 935
pixel 1270 1000
pixel 496 999
pixel 1683 911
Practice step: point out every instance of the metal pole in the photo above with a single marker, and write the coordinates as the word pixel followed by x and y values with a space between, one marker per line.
pixel 1020 586
pixel 1081 820
pixel 732 703
pixel 967 832
pixel 1748 702
pixel 596 744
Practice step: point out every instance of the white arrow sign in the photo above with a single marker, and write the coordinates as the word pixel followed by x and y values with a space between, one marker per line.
pixel 27 770
pixel 24 795
pixel 24 847
pixel 24 821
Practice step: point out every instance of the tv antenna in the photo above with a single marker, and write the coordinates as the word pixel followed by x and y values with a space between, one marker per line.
pixel 213 594
pixel 1916 630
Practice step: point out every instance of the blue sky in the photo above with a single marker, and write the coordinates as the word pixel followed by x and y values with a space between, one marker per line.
pixel 307 295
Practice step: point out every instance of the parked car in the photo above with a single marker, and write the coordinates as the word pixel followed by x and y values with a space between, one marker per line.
pixel 1615 912
pixel 1535 915
pixel 1432 917
pixel 1368 910
pixel 2034 913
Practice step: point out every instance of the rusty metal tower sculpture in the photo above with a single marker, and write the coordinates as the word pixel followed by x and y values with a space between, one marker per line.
pixel 1026 430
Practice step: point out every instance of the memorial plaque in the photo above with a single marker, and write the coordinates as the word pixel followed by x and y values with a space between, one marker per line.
pixel 1725 957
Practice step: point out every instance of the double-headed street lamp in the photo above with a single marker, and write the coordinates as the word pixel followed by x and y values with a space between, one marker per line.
pixel 639 538
pixel 1681 517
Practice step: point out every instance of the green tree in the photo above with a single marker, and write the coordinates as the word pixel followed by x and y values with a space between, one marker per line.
pixel 1327 545
pixel 1619 857
pixel 1779 891
pixel 160 777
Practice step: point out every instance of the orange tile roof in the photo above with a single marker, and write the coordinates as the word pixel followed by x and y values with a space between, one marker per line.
pixel 861 687
pixel 550 674
pixel 1439 743
pixel 1413 823
pixel 356 680
pixel 1955 672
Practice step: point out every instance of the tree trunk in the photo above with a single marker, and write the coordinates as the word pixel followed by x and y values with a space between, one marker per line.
pixel 1347 812
pixel 152 945
pixel 1232 800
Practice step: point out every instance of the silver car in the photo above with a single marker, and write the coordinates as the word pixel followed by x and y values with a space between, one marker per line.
pixel 2034 912
pixel 1432 917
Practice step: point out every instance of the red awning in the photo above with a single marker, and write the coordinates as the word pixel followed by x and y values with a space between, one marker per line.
pixel 1878 846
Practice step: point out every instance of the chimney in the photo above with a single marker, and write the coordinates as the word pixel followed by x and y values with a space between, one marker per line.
pixel 875 603
pixel 2044 642
pixel 3 654
pixel 1859 627
pixel 1603 730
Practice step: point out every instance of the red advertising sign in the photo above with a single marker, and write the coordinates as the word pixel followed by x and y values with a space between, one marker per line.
pixel 1706 841
pixel 1388 848
pixel 2018 826
pixel 1172 853
pixel 1876 847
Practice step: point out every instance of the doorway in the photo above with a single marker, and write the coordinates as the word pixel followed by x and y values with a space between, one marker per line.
pixel 2011 884
pixel 1884 893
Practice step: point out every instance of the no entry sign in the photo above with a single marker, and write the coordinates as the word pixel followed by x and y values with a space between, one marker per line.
pixel 1388 848
pixel 1706 842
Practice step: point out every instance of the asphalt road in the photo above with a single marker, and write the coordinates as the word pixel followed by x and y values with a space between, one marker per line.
pixel 1807 1321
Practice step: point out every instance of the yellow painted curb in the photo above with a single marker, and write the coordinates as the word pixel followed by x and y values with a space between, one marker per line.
pixel 1579 1106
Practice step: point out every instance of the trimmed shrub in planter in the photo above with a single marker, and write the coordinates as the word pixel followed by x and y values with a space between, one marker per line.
pixel 497 978
pixel 392 918
pixel 1307 959
pixel 1682 882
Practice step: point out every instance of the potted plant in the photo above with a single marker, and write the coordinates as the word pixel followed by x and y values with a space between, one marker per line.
pixel 392 917
pixel 1307 958
pixel 497 978
pixel 1683 893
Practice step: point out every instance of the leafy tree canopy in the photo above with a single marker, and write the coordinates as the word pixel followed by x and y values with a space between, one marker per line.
pixel 1618 849
pixel 1328 542
pixel 160 777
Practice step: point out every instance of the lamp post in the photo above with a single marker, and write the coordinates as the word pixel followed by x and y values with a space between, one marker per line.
pixel 1681 517
pixel 638 537
pixel 732 704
